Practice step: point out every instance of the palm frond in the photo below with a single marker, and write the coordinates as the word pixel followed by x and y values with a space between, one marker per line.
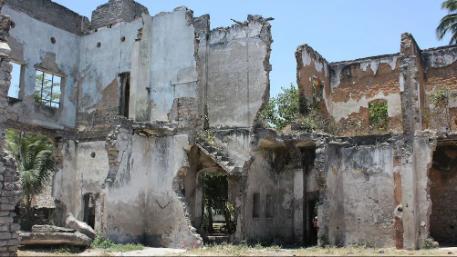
pixel 446 25
pixel 34 158
pixel 451 5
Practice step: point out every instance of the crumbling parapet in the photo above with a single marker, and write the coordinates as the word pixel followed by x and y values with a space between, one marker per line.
pixel 243 85
pixel 116 11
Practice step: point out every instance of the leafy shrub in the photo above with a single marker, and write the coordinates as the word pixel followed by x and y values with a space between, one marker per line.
pixel 379 117
pixel 282 110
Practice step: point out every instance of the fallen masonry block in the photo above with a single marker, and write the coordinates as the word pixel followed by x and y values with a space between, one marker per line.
pixel 51 235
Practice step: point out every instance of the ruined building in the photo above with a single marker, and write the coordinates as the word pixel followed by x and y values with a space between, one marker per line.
pixel 141 107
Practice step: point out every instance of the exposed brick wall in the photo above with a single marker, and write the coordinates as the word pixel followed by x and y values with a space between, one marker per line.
pixel 406 80
pixel 117 11
pixel 441 77
pixel 364 81
pixel 312 77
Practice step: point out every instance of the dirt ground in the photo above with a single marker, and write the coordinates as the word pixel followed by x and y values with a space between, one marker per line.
pixel 242 250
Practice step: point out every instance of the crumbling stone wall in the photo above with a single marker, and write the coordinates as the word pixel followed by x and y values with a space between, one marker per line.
pixel 10 189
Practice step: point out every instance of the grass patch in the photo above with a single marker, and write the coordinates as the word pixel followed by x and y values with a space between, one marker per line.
pixel 259 250
pixel 110 246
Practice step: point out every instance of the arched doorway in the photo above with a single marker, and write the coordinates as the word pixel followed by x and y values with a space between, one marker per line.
pixel 210 194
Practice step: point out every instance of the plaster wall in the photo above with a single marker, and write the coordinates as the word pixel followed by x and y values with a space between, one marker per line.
pixel 84 170
pixel 34 50
pixel 142 204
pixel 237 64
pixel 359 199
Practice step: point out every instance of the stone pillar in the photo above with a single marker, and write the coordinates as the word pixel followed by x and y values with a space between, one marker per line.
pixel 10 189
pixel 417 150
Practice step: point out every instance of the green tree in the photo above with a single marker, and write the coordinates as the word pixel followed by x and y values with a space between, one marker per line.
pixel 34 160
pixel 282 110
pixel 448 23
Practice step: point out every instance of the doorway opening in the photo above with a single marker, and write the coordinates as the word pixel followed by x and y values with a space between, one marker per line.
pixel 443 193
pixel 310 197
pixel 125 94
pixel 89 209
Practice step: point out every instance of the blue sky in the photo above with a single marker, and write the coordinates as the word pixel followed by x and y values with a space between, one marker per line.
pixel 338 29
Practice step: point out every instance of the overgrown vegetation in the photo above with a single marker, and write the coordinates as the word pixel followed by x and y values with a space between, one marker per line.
pixel 378 115
pixel 284 110
pixel 448 24
pixel 102 243
pixel 35 162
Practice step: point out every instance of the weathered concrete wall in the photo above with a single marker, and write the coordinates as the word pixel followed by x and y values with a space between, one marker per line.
pixel 359 199
pixel 105 54
pixel 35 50
pixel 143 197
pixel 264 180
pixel 282 174
pixel 84 170
pixel 237 70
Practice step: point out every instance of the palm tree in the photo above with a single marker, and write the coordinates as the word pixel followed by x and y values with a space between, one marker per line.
pixel 34 160
pixel 448 23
